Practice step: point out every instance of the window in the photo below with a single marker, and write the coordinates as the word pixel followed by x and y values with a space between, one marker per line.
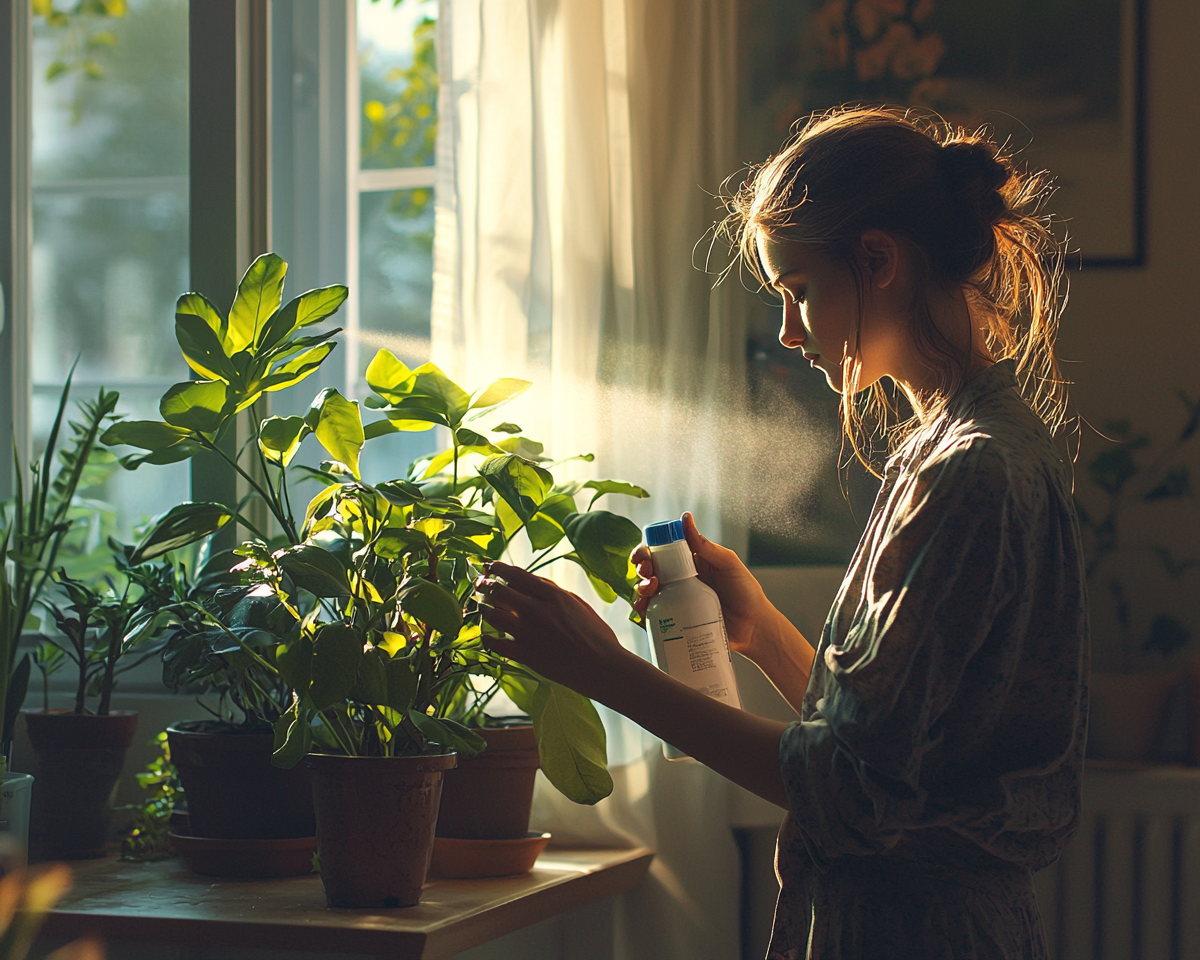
pixel 110 223
pixel 391 256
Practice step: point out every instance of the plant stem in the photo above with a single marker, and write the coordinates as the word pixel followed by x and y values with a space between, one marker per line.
pixel 209 445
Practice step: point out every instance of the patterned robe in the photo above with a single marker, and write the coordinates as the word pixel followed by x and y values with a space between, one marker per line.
pixel 939 755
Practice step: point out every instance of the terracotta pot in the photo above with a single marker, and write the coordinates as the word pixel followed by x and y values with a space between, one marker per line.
pixel 232 790
pixel 375 822
pixel 79 760
pixel 488 797
pixel 1125 713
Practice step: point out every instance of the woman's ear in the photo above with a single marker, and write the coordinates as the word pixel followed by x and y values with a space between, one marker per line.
pixel 879 255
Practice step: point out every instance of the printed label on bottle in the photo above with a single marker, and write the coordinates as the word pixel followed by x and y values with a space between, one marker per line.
pixel 699 656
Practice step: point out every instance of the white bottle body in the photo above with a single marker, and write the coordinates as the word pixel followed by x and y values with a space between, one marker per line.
pixel 688 641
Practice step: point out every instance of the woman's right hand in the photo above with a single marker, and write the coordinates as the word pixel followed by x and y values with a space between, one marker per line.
pixel 744 605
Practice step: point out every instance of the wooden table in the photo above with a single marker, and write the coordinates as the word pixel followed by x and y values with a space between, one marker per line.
pixel 165 902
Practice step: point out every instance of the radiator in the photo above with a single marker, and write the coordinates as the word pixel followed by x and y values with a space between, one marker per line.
pixel 1128 885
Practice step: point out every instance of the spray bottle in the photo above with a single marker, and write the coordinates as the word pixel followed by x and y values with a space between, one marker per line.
pixel 687 631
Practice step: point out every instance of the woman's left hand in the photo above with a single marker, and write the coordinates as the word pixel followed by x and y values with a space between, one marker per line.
pixel 552 630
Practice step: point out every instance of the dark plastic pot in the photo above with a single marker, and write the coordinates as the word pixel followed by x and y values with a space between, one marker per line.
pixel 375 821
pixel 489 796
pixel 232 790
pixel 79 760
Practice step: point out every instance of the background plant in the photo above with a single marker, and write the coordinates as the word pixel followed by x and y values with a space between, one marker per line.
pixel 148 836
pixel 1126 481
pixel 37 522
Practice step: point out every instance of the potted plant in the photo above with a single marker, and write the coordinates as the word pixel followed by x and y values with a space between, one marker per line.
pixel 80 752
pixel 36 525
pixel 221 635
pixel 1127 707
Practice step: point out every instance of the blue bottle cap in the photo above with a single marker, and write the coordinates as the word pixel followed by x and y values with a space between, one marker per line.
pixel 669 531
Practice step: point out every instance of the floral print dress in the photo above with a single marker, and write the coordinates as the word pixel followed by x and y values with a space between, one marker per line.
pixel 938 759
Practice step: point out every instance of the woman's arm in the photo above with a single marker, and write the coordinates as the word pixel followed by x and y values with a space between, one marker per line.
pixel 561 637
pixel 756 629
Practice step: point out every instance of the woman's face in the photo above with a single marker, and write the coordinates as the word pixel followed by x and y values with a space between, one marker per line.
pixel 820 307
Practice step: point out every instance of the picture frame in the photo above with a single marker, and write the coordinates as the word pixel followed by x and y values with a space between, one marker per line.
pixel 1059 82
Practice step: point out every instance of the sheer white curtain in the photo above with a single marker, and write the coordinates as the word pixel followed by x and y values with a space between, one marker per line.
pixel 581 144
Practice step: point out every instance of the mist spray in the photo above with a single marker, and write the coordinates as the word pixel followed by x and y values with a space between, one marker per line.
pixel 687 631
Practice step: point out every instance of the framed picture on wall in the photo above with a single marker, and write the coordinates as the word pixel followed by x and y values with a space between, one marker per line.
pixel 1060 80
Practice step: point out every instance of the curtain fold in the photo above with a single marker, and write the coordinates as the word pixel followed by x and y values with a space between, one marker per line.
pixel 581 146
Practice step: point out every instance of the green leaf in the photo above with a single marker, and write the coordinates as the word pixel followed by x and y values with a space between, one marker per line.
pixel 279 438
pixel 469 438
pixel 402 684
pixel 172 454
pixel 431 604
pixel 316 570
pixel 295 660
pixel 147 434
pixel 389 377
pixel 400 493
pixel 337 652
pixel 337 422
pixel 571 743
pixel 506 428
pixel 194 405
pixel 202 349
pixel 371 685
pixel 197 305
pixel 449 734
pixel 184 523
pixel 258 297
pixel 521 483
pixel 503 389
pixel 293 737
pixel 380 428
pixel 310 307
pixel 451 399
pixel 614 486
pixel 603 542
pixel 295 370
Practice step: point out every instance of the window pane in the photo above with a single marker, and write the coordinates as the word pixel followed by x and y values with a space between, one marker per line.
pixel 110 221
pixel 398 83
pixel 395 289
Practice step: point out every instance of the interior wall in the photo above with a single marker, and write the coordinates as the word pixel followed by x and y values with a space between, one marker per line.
pixel 1133 334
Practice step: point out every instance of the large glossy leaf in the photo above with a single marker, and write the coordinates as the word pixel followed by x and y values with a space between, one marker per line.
pixel 316 570
pixel 147 434
pixel 619 487
pixel 171 454
pixel 389 376
pixel 571 743
pixel 432 604
pixel 400 493
pixel 184 523
pixel 337 422
pixel 198 305
pixel 258 297
pixel 503 389
pixel 202 349
pixel 603 542
pixel 402 684
pixel 295 370
pixel 337 651
pixel 380 428
pixel 453 400
pixel 370 686
pixel 194 405
pixel 521 483
pixel 279 438
pixel 312 306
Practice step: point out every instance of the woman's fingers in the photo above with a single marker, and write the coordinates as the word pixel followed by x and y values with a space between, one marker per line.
pixel 522 580
pixel 701 546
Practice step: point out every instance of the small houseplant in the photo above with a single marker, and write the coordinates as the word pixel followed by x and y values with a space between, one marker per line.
pixel 80 752
pixel 1128 706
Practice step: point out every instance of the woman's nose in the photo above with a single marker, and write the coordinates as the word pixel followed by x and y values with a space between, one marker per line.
pixel 791 331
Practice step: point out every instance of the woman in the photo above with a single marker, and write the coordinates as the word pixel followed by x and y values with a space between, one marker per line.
pixel 938 757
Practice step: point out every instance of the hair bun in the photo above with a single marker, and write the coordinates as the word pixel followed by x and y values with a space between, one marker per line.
pixel 976 176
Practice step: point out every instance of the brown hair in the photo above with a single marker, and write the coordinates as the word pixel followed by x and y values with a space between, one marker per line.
pixel 955 196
